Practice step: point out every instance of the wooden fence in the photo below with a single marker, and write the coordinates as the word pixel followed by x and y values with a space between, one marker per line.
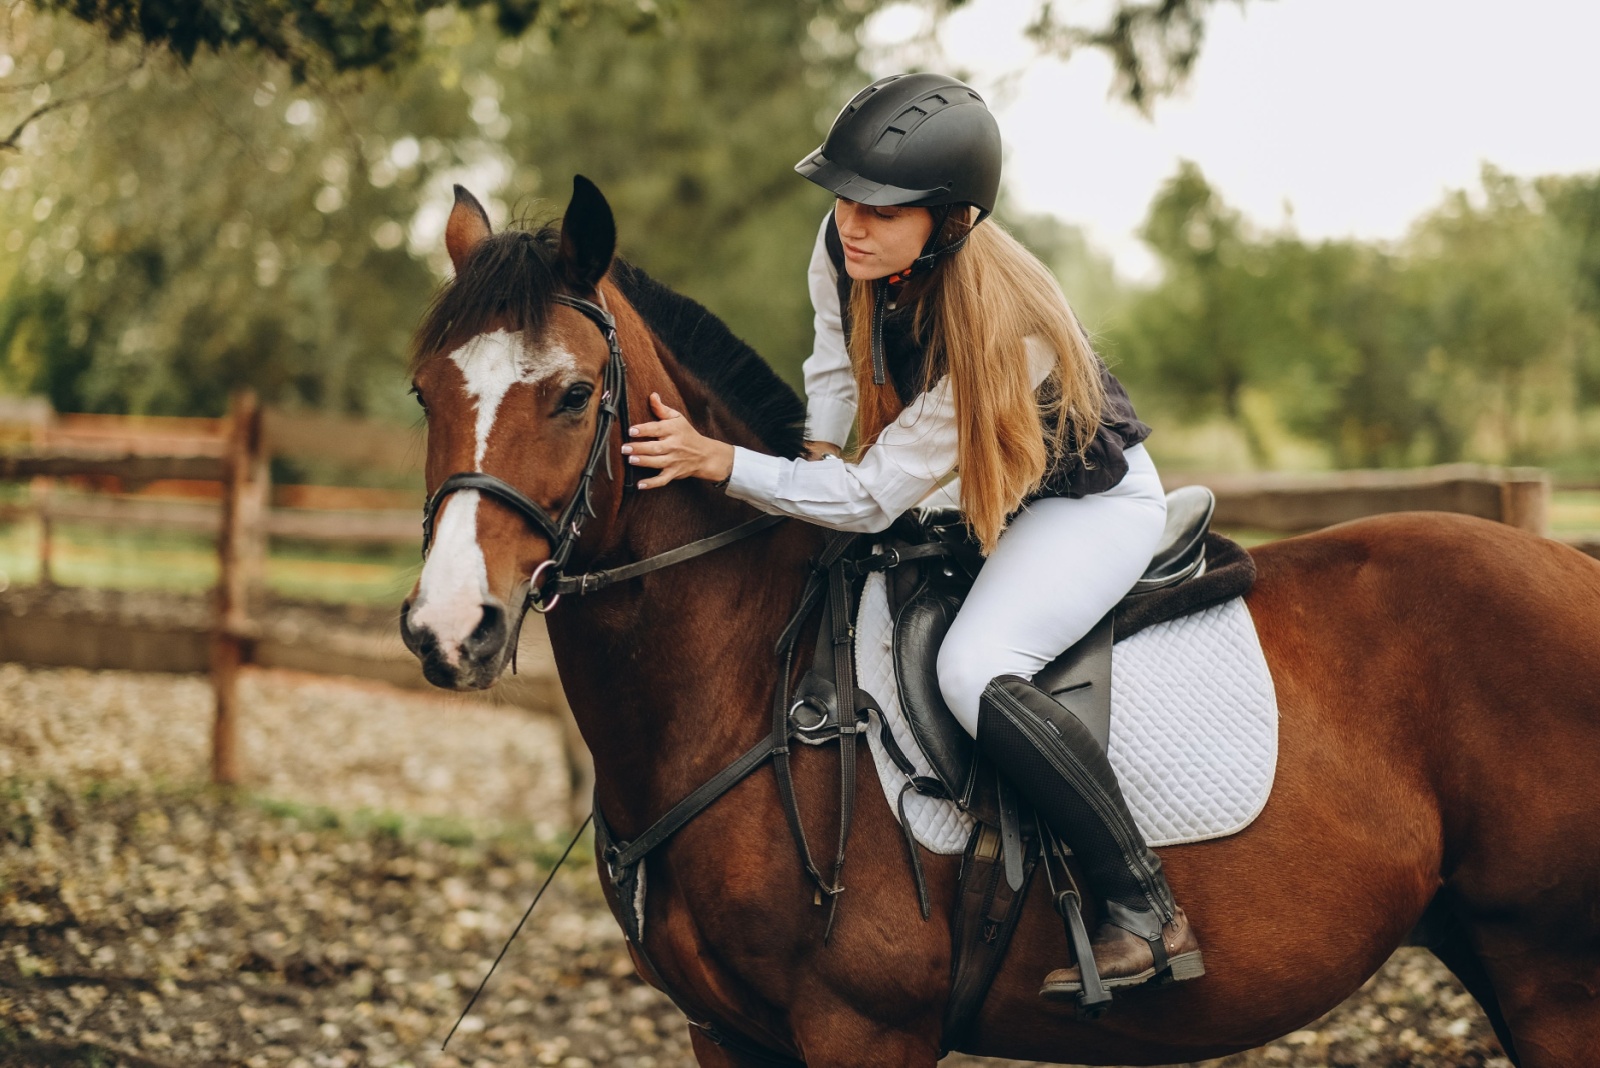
pixel 226 464
pixel 234 453
pixel 1292 504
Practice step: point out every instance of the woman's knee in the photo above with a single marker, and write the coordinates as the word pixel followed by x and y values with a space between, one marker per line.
pixel 963 672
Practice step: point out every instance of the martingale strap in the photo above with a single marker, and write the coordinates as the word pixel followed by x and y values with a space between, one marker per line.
pixel 624 860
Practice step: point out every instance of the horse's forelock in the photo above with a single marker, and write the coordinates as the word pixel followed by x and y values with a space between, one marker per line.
pixel 508 283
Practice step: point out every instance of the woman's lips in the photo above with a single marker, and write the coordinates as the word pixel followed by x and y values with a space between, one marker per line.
pixel 855 253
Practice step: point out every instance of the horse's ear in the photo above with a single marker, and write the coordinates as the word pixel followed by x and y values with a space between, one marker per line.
pixel 467 228
pixel 588 236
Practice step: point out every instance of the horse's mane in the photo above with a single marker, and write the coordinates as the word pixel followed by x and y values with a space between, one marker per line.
pixel 510 279
pixel 731 369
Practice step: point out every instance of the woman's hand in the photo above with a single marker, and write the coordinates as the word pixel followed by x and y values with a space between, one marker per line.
pixel 678 451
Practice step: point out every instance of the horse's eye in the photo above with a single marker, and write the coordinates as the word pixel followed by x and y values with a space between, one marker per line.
pixel 576 399
pixel 415 392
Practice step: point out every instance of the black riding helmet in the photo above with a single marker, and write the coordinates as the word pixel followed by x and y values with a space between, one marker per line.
pixel 916 140
pixel 921 140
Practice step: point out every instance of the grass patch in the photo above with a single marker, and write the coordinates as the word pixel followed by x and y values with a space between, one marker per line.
pixel 176 561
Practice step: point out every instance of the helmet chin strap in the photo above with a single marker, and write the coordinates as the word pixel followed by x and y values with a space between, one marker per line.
pixel 924 262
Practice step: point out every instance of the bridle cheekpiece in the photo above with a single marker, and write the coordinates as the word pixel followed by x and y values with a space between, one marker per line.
pixel 548 582
pixel 564 530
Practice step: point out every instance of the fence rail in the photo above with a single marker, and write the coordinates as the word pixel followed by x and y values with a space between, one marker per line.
pixel 1291 504
pixel 347 525
pixel 233 454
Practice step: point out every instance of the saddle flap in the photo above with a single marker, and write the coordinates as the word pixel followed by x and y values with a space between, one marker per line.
pixel 1080 680
pixel 919 629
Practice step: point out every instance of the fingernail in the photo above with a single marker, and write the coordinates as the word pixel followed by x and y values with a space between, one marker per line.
pixel 633 459
pixel 627 449
pixel 633 431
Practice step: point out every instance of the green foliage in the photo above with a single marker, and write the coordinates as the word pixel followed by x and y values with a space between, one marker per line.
pixel 213 227
pixel 1475 337
pixel 309 36
pixel 1153 44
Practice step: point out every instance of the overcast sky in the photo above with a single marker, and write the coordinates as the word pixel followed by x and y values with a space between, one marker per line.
pixel 1359 114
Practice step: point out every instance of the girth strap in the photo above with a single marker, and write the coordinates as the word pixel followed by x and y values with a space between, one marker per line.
pixel 828 574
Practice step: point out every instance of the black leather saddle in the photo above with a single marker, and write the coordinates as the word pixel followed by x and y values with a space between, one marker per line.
pixel 1183 577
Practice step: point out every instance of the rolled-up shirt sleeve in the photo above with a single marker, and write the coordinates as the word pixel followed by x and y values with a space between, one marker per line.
pixel 830 384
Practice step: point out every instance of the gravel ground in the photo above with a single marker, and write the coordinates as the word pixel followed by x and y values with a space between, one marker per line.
pixel 344 744
pixel 340 910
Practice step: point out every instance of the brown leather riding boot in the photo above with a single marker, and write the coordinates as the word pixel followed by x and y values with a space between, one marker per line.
pixel 1127 958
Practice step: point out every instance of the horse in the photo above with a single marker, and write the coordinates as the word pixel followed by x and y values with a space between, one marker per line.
pixel 1435 674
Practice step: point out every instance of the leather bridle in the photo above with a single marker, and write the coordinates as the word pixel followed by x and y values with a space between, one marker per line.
pixel 548 583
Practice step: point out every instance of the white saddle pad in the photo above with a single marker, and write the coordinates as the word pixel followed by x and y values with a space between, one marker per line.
pixel 1194 726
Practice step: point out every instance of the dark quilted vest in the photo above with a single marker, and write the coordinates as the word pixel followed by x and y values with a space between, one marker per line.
pixel 907 361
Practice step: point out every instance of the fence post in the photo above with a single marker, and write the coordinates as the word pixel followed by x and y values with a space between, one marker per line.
pixel 238 551
pixel 43 493
pixel 1525 500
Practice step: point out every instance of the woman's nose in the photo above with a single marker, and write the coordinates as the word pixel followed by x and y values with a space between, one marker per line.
pixel 849 219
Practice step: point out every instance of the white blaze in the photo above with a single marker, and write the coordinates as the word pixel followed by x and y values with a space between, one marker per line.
pixel 492 364
pixel 455 579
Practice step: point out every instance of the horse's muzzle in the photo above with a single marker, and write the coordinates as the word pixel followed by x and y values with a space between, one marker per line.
pixel 470 663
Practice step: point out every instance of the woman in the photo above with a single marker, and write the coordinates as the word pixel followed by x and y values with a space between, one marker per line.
pixel 958 350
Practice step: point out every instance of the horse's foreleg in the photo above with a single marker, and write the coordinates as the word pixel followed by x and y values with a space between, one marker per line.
pixel 859 1043
pixel 1551 998
pixel 708 1054
pixel 852 1046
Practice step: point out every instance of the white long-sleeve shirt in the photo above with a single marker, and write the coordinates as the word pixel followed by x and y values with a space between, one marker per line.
pixel 910 458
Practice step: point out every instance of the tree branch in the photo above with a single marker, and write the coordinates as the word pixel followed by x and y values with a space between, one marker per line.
pixel 11 141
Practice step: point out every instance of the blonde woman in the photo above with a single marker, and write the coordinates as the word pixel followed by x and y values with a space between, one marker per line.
pixel 953 347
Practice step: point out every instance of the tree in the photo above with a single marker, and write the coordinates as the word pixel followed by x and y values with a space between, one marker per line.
pixel 1153 45
pixel 216 226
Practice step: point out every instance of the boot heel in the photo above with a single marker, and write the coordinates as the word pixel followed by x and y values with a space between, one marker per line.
pixel 1184 966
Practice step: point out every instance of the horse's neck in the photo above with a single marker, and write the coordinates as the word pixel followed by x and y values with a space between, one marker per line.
pixel 670 676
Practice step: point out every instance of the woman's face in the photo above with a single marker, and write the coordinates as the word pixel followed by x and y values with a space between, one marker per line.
pixel 879 242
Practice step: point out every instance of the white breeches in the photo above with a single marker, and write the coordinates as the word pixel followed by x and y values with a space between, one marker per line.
pixel 1059 567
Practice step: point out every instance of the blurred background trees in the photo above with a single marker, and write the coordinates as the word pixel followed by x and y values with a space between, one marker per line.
pixel 198 195
pixel 1473 338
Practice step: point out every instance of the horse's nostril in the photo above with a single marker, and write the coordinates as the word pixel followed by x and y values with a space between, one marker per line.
pixel 489 634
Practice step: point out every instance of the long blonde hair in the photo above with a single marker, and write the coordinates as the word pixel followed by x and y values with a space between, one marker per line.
pixel 975 309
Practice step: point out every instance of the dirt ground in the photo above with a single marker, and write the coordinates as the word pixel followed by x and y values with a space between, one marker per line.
pixel 340 910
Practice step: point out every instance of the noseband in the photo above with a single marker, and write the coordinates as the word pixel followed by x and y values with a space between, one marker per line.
pixel 564 530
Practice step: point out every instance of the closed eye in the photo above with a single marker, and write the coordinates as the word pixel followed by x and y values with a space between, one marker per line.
pixel 576 398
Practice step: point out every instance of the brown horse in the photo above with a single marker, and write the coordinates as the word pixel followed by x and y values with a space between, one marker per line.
pixel 1436 675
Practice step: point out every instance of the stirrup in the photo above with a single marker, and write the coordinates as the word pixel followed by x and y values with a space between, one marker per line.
pixel 1093 997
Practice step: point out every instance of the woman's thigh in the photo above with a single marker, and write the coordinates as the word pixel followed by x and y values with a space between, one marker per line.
pixel 1060 566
